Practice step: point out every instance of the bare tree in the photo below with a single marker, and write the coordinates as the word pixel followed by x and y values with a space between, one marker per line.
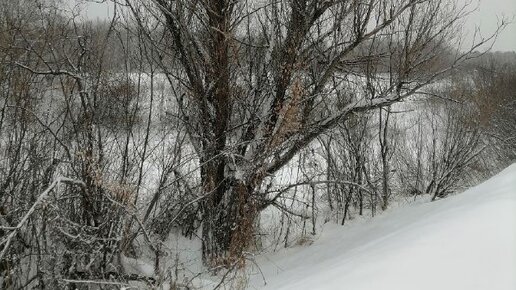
pixel 252 78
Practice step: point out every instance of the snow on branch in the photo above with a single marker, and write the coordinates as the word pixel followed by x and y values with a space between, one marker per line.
pixel 38 201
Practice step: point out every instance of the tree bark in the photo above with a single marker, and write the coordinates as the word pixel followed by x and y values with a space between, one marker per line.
pixel 229 215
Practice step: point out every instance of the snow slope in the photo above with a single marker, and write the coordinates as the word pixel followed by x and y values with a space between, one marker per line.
pixel 467 241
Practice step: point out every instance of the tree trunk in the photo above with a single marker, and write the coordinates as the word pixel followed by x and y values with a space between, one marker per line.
pixel 384 154
pixel 229 215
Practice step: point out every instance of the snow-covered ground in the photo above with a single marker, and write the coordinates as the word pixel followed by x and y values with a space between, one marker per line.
pixel 467 241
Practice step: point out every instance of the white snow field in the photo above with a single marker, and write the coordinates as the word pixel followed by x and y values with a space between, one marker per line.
pixel 465 242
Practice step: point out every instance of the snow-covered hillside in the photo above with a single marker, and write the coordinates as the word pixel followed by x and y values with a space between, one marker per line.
pixel 463 242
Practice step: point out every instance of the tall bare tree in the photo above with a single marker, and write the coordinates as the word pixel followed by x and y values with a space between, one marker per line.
pixel 257 81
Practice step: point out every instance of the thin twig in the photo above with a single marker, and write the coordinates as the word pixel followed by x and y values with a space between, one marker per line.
pixel 40 199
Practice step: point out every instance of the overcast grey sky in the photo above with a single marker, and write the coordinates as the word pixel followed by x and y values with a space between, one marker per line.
pixel 486 18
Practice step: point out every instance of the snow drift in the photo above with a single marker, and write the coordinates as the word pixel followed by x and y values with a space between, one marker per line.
pixel 467 241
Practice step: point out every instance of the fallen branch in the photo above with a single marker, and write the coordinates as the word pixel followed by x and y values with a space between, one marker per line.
pixel 95 282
